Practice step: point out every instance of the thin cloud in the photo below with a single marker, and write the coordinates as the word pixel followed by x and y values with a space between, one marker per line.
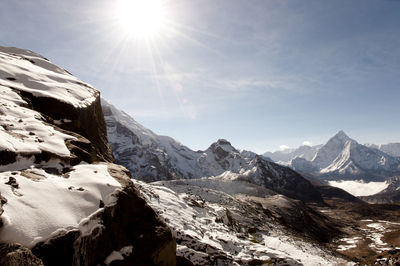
pixel 307 143
pixel 283 147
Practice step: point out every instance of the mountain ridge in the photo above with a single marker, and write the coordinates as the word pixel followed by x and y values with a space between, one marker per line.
pixel 153 158
pixel 341 157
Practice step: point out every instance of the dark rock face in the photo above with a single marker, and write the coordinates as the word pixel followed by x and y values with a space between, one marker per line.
pixel 15 255
pixel 284 181
pixel 337 194
pixel 7 157
pixel 299 217
pixel 88 122
pixel 2 201
pixel 130 222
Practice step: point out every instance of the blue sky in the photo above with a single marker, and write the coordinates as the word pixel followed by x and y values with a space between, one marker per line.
pixel 259 73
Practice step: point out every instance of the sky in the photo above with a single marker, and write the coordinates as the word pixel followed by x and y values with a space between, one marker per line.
pixel 262 74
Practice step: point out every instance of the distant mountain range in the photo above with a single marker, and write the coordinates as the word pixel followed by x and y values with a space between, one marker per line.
pixel 151 157
pixel 285 156
pixel 343 158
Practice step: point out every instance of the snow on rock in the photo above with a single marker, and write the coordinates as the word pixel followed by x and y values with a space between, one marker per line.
pixel 53 200
pixel 39 203
pixel 348 243
pixel 31 73
pixel 118 255
pixel 151 157
pixel 213 227
pixel 23 130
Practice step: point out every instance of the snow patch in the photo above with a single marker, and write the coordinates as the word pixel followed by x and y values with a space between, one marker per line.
pixel 22 130
pixel 349 243
pixel 118 255
pixel 36 208
pixel 29 72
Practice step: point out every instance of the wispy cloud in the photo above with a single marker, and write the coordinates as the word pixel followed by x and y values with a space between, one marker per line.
pixel 283 147
pixel 307 143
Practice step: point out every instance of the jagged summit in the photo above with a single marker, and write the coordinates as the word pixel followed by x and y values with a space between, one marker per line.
pixel 344 158
pixel 222 145
pixel 341 135
pixel 223 142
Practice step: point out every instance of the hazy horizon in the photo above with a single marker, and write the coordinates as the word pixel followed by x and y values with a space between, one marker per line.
pixel 261 74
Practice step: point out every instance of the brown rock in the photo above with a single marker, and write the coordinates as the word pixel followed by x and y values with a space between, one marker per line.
pixel 16 255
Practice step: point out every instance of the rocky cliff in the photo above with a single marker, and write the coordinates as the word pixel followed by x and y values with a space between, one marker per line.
pixel 63 201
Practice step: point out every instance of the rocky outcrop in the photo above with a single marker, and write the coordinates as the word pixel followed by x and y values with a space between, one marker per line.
pixel 65 202
pixel 2 201
pixel 215 227
pixel 15 255
pixel 88 122
pixel 128 223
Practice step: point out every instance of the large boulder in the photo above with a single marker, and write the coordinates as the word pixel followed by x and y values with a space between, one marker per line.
pixel 130 224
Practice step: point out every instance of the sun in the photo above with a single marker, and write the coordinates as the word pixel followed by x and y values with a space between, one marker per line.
pixel 142 18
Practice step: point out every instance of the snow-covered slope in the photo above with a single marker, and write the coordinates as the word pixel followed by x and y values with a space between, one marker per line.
pixel 60 194
pixel 63 204
pixel 343 158
pixel 30 146
pixel 217 228
pixel 151 158
pixel 29 72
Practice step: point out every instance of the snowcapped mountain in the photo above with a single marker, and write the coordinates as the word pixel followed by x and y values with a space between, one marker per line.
pixel 344 158
pixel 285 156
pixel 152 158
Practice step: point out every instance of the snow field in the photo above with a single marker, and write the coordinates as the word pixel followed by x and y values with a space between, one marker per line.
pixel 43 204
